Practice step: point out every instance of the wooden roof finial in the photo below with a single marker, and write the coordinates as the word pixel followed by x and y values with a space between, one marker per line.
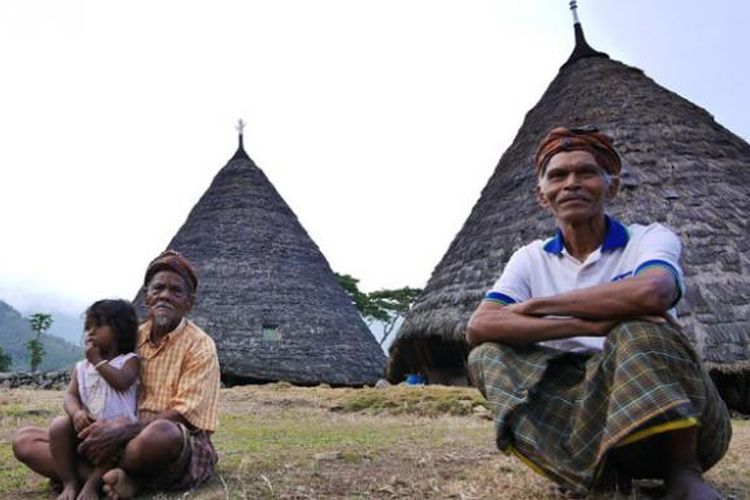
pixel 240 147
pixel 240 126
pixel 582 48
pixel 574 9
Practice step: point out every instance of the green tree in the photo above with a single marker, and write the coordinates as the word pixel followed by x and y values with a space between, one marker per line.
pixel 386 306
pixel 5 361
pixel 40 323
pixel 351 287
pixel 395 304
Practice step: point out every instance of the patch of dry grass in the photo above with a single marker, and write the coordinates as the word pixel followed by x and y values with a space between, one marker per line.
pixel 283 442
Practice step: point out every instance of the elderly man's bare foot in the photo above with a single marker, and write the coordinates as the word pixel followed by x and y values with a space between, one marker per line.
pixel 118 485
pixel 687 483
pixel 69 491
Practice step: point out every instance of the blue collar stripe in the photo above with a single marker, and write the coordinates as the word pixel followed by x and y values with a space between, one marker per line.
pixel 650 264
pixel 500 298
pixel 615 237
pixel 658 263
pixel 555 244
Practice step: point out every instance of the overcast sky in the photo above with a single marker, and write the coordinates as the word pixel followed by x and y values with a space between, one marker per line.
pixel 379 122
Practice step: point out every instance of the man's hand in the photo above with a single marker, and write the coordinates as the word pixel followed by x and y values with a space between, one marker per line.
pixel 600 328
pixel 519 308
pixel 517 324
pixel 81 420
pixel 100 442
pixel 660 319
pixel 649 293
pixel 596 328
pixel 93 354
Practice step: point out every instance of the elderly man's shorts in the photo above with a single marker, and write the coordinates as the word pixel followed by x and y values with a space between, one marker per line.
pixel 193 467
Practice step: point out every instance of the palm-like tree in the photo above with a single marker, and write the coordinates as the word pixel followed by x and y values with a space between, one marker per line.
pixel 40 323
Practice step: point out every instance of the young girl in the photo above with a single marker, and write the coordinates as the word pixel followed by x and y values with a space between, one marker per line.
pixel 102 387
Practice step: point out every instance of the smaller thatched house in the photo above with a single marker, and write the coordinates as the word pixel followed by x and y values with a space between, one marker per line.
pixel 681 168
pixel 266 293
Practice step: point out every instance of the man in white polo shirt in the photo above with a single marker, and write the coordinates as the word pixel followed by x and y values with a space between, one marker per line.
pixel 591 380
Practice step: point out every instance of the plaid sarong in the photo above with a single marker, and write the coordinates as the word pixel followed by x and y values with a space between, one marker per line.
pixel 561 412
pixel 193 467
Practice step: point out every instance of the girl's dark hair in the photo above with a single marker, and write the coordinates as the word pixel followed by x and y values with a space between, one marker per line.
pixel 117 314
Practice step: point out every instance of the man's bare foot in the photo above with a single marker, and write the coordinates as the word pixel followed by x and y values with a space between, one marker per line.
pixel 687 483
pixel 118 485
pixel 69 491
pixel 90 490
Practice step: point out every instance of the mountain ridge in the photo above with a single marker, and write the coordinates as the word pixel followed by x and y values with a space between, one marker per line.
pixel 15 331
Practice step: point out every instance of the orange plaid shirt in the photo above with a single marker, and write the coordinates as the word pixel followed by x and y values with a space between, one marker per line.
pixel 181 374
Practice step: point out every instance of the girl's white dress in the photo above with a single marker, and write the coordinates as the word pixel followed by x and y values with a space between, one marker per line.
pixel 102 401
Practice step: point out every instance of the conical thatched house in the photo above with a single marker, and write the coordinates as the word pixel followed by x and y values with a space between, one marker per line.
pixel 681 168
pixel 266 293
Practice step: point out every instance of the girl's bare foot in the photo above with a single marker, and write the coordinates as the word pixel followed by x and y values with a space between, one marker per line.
pixel 118 485
pixel 90 490
pixel 69 491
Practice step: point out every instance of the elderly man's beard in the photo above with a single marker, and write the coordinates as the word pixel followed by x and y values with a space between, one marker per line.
pixel 162 320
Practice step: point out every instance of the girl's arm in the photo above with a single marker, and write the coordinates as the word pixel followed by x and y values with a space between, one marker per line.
pixel 73 406
pixel 120 379
pixel 72 400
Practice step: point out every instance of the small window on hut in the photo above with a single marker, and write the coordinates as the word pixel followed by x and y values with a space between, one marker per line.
pixel 270 333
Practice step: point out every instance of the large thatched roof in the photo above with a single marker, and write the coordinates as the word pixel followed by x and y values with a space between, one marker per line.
pixel 266 294
pixel 681 168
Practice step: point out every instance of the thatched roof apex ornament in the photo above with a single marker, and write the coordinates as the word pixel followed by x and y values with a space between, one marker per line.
pixel 582 48
pixel 240 154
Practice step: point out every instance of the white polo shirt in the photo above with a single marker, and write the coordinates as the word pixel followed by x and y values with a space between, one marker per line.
pixel 545 268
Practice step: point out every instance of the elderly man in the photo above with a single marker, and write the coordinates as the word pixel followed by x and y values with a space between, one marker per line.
pixel 577 348
pixel 169 448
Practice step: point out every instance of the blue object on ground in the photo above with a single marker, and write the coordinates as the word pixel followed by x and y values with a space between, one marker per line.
pixel 413 379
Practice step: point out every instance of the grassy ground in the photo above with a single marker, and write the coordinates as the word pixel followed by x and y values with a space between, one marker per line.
pixel 279 441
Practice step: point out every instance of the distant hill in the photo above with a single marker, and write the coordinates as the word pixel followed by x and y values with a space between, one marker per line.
pixel 15 331
pixel 67 327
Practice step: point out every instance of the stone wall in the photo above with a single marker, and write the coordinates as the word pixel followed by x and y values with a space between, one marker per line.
pixel 55 380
